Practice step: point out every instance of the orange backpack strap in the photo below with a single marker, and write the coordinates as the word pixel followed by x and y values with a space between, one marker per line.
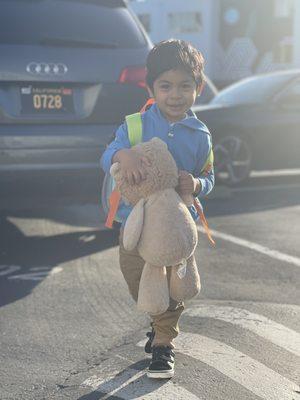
pixel 149 103
pixel 203 220
pixel 114 201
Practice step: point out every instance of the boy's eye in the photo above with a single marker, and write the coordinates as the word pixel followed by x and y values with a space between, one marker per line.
pixel 186 86
pixel 183 86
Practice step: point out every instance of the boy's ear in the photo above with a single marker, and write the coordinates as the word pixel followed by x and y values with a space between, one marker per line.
pixel 150 92
pixel 200 88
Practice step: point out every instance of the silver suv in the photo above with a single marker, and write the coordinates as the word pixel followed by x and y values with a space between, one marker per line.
pixel 70 71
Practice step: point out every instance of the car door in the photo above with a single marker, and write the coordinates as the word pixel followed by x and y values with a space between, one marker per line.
pixel 286 127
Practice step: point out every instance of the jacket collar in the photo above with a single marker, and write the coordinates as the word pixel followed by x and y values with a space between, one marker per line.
pixel 191 121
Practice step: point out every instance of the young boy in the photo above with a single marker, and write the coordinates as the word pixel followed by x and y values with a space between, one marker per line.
pixel 174 79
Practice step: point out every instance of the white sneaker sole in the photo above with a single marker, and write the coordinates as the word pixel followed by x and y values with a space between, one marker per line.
pixel 160 374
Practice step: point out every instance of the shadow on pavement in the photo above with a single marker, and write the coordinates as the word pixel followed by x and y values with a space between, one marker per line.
pixel 264 198
pixel 82 215
pixel 232 203
pixel 32 258
pixel 125 385
pixel 260 195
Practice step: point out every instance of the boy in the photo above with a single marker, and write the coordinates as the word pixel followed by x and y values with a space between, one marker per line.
pixel 174 79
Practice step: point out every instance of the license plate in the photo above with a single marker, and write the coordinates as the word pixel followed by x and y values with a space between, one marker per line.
pixel 46 100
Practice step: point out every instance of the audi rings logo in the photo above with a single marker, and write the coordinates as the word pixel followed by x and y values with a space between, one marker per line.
pixel 41 68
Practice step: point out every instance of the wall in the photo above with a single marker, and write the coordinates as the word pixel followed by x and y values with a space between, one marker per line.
pixel 161 12
pixel 238 38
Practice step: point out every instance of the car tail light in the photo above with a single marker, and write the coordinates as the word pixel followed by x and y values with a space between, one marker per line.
pixel 134 75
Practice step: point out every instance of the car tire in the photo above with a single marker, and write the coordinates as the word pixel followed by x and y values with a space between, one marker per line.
pixel 233 159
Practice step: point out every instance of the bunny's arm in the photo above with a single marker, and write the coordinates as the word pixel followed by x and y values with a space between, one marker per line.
pixel 133 226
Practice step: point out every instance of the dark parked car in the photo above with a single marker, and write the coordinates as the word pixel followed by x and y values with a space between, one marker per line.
pixel 255 125
pixel 208 93
pixel 70 71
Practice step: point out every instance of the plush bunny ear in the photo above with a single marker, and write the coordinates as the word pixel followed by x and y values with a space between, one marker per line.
pixel 153 295
pixel 133 226
pixel 185 280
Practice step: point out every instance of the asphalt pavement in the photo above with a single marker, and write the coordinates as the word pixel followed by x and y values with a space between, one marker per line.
pixel 69 329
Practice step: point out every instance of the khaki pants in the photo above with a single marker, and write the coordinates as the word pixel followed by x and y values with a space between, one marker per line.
pixel 165 325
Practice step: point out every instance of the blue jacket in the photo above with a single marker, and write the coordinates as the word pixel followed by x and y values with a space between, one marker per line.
pixel 188 140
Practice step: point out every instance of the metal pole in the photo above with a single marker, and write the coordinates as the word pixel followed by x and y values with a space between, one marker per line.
pixel 297 34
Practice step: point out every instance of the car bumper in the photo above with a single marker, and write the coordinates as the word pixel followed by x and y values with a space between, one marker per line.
pixel 56 165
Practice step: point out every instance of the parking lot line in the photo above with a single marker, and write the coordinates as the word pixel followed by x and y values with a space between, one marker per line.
pixel 237 366
pixel 246 371
pixel 272 331
pixel 133 384
pixel 275 172
pixel 254 246
pixel 265 187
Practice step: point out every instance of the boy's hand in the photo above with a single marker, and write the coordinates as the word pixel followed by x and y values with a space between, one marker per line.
pixel 132 165
pixel 187 184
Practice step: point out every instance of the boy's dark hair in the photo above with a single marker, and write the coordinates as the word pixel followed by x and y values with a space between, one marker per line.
pixel 174 54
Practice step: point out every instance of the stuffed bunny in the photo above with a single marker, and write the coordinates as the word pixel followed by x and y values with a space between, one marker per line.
pixel 162 229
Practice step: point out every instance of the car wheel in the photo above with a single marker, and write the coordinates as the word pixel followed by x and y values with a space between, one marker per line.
pixel 232 160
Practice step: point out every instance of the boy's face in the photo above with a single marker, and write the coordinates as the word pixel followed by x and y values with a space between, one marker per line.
pixel 175 92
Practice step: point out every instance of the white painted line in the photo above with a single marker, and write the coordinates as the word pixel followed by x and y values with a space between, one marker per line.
pixel 87 238
pixel 132 384
pixel 278 334
pixel 31 276
pixel 254 246
pixel 8 269
pixel 275 172
pixel 113 383
pixel 267 173
pixel 55 270
pixel 253 375
pixel 265 187
pixel 37 275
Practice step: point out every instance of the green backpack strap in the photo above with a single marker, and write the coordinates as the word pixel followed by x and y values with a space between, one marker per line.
pixel 209 162
pixel 135 135
pixel 109 196
pixel 135 128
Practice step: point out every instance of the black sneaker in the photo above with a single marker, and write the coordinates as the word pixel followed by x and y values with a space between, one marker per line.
pixel 162 364
pixel 148 345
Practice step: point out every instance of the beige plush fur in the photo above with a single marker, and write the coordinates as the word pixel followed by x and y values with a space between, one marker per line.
pixel 161 228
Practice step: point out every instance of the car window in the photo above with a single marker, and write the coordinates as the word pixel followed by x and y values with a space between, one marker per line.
pixel 68 23
pixel 252 90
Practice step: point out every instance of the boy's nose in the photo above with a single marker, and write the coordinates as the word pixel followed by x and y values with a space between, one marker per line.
pixel 176 93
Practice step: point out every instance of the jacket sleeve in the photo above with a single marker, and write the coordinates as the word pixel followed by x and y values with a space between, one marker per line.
pixel 120 142
pixel 205 167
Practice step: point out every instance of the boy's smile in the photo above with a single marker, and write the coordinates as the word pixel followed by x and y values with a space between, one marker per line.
pixel 175 92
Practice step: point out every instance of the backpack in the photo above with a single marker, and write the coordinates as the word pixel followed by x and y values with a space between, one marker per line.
pixel 110 197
